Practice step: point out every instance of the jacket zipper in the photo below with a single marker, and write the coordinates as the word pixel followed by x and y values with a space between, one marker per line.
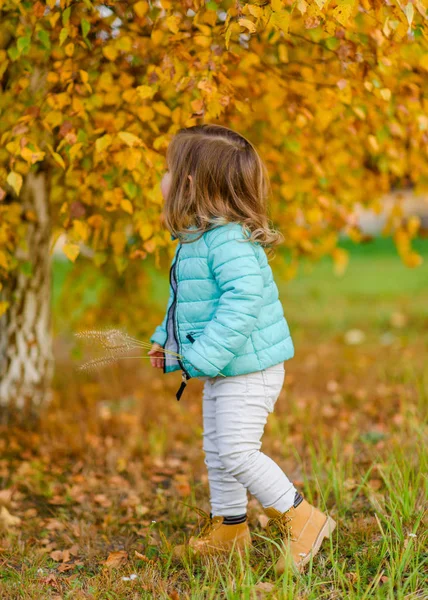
pixel 185 374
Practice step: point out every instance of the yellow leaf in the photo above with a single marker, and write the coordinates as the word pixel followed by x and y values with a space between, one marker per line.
pixel 71 251
pixel 84 76
pixel 283 53
pixel 373 143
pixel 15 181
pixel 74 150
pixel 69 49
pixel 3 307
pixel 80 229
pixel 343 11
pixel 127 206
pixel 58 159
pixel 146 231
pixel 255 11
pixel 161 108
pixel 130 139
pixel 413 224
pixel 103 142
pixel 110 52
pixel 423 61
pixel 30 156
pixel 409 11
pixel 302 6
pixel 202 40
pixel 281 20
pixel 145 91
pixel 412 259
pixel 233 28
pixel 248 25
pixel 243 107
pixel 95 221
pixel 276 5
pixel 3 260
pixel 124 43
pixel 157 37
pixel 172 23
pixel 145 113
pixel 118 241
pixel 341 259
pixel 141 9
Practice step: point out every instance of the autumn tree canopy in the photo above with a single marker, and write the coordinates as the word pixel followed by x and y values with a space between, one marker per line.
pixel 333 93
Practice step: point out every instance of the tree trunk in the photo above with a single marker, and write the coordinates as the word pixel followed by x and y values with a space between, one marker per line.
pixel 26 357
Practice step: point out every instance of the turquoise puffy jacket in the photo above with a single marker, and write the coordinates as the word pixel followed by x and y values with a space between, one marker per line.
pixel 223 315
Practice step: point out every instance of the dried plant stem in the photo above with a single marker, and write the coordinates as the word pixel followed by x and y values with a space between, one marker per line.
pixel 103 361
pixel 116 342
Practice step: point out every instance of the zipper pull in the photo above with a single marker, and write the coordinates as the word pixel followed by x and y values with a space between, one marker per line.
pixel 182 386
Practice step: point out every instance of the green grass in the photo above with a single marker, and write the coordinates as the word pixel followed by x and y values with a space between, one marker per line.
pixel 375 294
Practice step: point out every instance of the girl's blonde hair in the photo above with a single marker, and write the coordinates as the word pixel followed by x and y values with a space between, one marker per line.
pixel 229 183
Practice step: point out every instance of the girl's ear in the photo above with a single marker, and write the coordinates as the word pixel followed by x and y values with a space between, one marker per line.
pixel 190 178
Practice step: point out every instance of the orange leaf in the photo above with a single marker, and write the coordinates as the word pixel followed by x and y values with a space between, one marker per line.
pixel 116 559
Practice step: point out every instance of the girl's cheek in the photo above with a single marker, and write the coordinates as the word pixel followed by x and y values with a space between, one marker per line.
pixel 165 185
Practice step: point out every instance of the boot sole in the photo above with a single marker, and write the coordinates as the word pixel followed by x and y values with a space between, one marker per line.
pixel 326 531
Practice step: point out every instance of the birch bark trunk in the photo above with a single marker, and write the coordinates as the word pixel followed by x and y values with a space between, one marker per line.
pixel 26 357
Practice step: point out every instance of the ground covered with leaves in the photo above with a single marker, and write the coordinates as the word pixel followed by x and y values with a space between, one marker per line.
pixel 93 501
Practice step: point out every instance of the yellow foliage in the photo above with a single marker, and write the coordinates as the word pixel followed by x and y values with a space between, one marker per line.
pixel 141 8
pixel 15 181
pixel 71 251
pixel 126 205
pixel 110 52
pixel 145 230
pixel 248 25
pixel 80 230
pixel 340 259
pixel 146 91
pixel 161 108
pixel 329 94
pixel 281 20
pixel 130 139
pixel 118 241
pixel 103 142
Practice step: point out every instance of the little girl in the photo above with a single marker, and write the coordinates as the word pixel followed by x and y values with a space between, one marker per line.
pixel 225 325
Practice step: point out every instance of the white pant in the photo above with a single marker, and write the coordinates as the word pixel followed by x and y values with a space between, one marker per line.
pixel 235 411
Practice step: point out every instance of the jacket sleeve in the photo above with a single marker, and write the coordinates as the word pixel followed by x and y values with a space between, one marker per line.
pixel 236 270
pixel 159 335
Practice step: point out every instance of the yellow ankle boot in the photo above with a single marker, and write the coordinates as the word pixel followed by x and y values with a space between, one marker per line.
pixel 303 528
pixel 214 537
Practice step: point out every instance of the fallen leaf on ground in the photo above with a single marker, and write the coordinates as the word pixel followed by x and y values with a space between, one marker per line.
pixel 7 519
pixel 116 559
pixel 263 588
pixel 60 555
pixel 5 496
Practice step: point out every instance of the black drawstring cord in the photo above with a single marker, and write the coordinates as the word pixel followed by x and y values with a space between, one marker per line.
pixel 184 375
pixel 182 386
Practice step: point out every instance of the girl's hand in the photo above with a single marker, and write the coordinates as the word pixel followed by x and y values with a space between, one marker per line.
pixel 157 357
